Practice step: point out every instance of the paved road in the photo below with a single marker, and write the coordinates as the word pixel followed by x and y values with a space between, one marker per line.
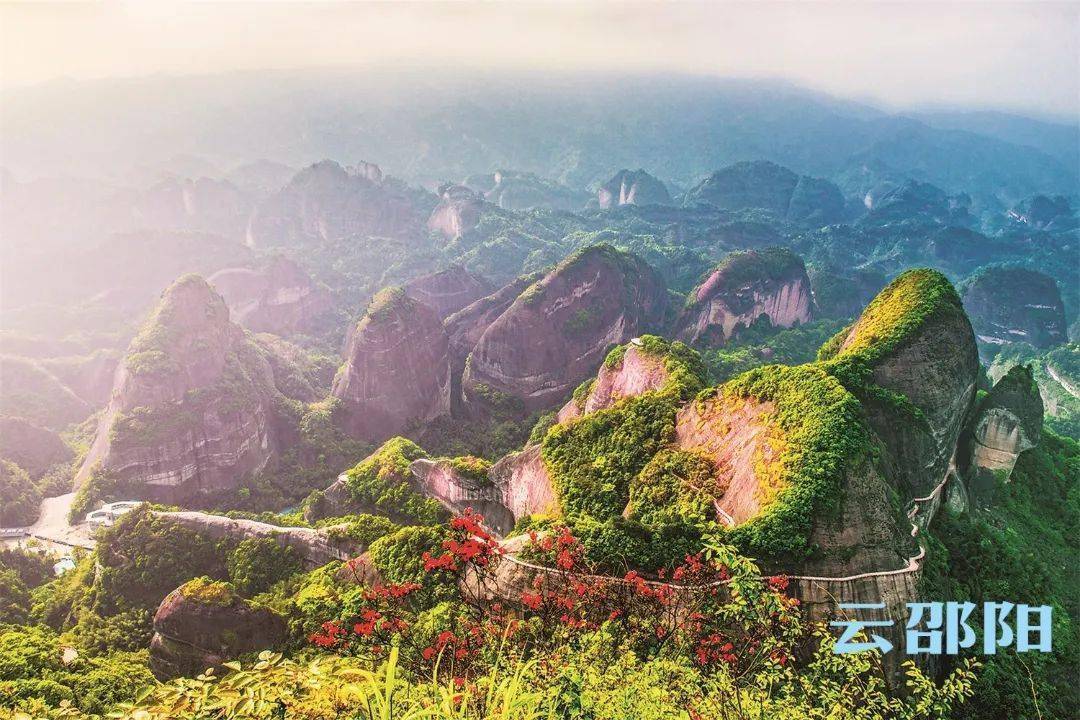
pixel 53 525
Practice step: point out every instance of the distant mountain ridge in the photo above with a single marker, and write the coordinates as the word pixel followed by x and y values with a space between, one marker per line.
pixel 426 126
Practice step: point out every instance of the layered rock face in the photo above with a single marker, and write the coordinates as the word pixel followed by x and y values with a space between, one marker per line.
pixel 279 298
pixel 191 407
pixel 632 187
pixel 768 186
pixel 1015 305
pixel 458 211
pixel 745 286
pixel 525 484
pixel 914 342
pixel 466 326
pixel 327 202
pixel 440 479
pixel 746 445
pixel 557 331
pixel 637 372
pixel 447 291
pixel 1008 422
pixel 397 368
pixel 203 624
pixel 315 547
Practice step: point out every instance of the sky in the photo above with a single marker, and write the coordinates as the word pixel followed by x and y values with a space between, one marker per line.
pixel 1022 57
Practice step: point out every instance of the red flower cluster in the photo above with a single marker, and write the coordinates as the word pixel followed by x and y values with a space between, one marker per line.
pixel 329 636
pixel 712 648
pixel 471 544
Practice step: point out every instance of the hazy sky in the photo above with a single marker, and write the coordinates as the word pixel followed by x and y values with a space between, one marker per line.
pixel 1020 56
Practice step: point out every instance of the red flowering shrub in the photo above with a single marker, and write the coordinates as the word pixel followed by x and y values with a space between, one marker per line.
pixel 697 609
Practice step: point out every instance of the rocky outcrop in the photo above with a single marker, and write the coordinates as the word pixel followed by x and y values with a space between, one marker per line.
pixel 326 202
pixel 1014 305
pixel 763 185
pixel 397 368
pixel 558 330
pixel 192 407
pixel 745 286
pixel 467 326
pixel 911 359
pixel 632 187
pixel 447 291
pixel 525 484
pixel 1007 422
pixel 458 211
pixel 34 449
pixel 513 190
pixel 913 201
pixel 278 298
pixel 636 372
pixel 445 481
pixel 203 624
pixel 1046 213
pixel 315 547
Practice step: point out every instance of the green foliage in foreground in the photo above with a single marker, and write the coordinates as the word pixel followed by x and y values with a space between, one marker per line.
pixel 601 681
pixel 32 666
pixel 1024 549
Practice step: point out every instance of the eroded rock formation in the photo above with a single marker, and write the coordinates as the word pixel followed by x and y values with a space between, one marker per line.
pixel 456 490
pixel 192 407
pixel 1007 422
pixel 326 202
pixel 1015 305
pixel 315 546
pixel 279 298
pixel 637 371
pixel 458 211
pixel 203 624
pixel 745 286
pixel 397 368
pixel 767 186
pixel 466 326
pixel 557 331
pixel 912 361
pixel 632 187
pixel 447 291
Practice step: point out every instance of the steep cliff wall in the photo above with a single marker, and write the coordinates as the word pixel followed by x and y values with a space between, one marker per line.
pixel 397 368
pixel 192 407
pixel 745 286
pixel 558 330
pixel 279 298
pixel 911 359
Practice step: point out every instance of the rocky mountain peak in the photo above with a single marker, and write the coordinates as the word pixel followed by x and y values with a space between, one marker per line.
pixel 1012 304
pixel 743 287
pixel 911 359
pixel 397 368
pixel 632 187
pixel 449 290
pixel 557 331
